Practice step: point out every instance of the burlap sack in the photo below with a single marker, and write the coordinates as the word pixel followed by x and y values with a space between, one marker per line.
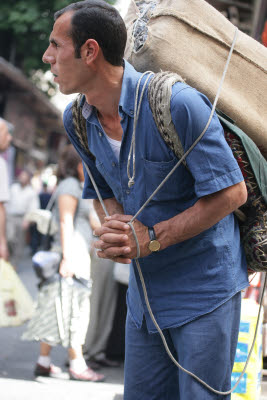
pixel 192 38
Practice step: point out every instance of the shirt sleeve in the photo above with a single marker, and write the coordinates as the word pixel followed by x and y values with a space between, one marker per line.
pixel 211 162
pixel 88 190
pixel 69 186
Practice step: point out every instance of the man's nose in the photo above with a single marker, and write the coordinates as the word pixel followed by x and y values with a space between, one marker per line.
pixel 48 58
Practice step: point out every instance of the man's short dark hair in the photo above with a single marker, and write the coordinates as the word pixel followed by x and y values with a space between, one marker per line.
pixel 98 20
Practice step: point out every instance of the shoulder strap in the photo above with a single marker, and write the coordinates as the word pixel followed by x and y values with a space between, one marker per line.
pixel 159 97
pixel 79 123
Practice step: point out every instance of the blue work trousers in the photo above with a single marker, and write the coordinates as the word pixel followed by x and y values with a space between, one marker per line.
pixel 205 346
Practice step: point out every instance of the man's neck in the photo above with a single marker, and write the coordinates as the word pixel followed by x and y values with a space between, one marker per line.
pixel 105 93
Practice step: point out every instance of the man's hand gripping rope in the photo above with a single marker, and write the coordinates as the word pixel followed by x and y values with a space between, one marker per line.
pixel 122 240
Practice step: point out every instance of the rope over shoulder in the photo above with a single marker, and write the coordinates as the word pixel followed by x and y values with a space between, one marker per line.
pixel 160 89
pixel 79 123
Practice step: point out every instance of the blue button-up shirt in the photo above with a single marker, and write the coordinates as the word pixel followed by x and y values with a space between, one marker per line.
pixel 191 278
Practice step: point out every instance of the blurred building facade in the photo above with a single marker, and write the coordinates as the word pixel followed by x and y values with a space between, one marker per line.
pixel 38 128
pixel 248 15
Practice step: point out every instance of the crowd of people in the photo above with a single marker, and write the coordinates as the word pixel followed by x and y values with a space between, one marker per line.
pixel 88 312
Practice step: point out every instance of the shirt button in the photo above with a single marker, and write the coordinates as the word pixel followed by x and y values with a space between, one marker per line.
pixel 127 191
pixel 113 164
pixel 100 133
pixel 131 112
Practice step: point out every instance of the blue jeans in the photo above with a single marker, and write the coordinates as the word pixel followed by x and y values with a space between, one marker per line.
pixel 205 346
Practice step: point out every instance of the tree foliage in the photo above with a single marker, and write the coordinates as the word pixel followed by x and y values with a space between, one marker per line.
pixel 25 26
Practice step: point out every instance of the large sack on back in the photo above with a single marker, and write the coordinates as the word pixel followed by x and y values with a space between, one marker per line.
pixel 192 38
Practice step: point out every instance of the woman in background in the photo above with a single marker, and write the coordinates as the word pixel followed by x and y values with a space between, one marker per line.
pixel 66 324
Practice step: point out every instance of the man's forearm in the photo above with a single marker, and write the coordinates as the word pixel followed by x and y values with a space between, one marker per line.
pixel 203 215
pixel 116 238
pixel 112 206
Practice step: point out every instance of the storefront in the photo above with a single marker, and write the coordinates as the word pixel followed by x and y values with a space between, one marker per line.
pixel 38 128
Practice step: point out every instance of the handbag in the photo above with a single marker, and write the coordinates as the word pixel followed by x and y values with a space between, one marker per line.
pixel 16 305
pixel 46 262
pixel 45 223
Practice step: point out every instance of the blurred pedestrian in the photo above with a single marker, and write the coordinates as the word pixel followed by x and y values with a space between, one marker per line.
pixel 44 196
pixel 68 326
pixel 103 304
pixel 5 140
pixel 23 199
pixel 36 236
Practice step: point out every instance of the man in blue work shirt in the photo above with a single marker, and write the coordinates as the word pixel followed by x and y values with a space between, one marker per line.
pixel 190 253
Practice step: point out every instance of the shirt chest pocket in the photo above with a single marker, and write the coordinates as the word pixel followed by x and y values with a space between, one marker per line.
pixel 173 188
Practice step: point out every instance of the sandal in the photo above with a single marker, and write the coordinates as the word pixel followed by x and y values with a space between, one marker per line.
pixel 52 371
pixel 87 375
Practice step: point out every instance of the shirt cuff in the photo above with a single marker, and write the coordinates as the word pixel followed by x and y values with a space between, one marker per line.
pixel 220 182
pixel 90 193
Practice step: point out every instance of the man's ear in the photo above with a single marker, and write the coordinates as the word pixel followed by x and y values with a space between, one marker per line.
pixel 90 50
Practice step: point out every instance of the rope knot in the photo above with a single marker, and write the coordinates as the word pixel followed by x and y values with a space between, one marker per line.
pixel 131 182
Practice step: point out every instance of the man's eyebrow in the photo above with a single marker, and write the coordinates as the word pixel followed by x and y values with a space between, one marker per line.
pixel 52 41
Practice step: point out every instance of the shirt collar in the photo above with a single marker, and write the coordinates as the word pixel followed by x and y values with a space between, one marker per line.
pixel 87 109
pixel 129 83
pixel 126 103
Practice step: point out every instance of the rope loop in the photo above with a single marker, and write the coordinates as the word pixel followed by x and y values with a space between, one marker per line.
pixel 137 107
pixel 136 239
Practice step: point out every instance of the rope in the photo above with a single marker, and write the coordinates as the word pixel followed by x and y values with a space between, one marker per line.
pixel 200 136
pixel 96 189
pixel 136 116
pixel 80 125
pixel 136 240
pixel 159 90
pixel 169 352
pixel 131 182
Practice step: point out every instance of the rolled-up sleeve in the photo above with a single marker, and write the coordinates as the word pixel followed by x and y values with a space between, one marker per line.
pixel 88 190
pixel 211 162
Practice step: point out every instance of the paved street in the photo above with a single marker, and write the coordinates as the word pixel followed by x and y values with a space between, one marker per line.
pixel 17 360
